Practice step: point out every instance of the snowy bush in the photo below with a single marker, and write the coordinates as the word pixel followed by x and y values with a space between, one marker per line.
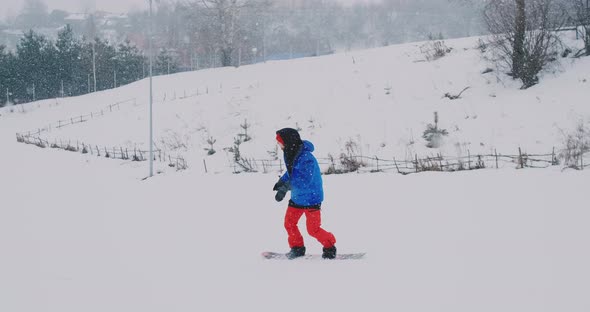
pixel 173 140
pixel 241 162
pixel 429 164
pixel 433 135
pixel 575 145
pixel 235 149
pixel 482 46
pixel 435 48
pixel 350 160
pixel 332 169
pixel 244 136
pixel 210 150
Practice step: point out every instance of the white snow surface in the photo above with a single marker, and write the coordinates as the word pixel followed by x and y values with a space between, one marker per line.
pixel 86 233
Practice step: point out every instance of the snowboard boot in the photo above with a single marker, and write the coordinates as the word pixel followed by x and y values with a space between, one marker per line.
pixel 329 253
pixel 296 252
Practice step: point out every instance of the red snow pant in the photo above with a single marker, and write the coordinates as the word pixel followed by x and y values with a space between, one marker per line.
pixel 313 219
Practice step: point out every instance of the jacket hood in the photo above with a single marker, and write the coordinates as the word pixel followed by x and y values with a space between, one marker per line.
pixel 308 146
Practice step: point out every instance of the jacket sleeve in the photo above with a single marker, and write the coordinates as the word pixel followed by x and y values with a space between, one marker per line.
pixel 285 178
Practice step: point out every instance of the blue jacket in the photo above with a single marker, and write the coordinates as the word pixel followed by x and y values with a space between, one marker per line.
pixel 305 179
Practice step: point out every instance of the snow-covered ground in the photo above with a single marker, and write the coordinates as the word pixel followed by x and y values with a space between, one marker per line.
pixel 83 233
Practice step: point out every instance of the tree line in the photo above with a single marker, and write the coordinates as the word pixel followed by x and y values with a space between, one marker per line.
pixel 195 34
pixel 41 68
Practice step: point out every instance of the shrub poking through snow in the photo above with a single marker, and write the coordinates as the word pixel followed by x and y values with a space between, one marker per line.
pixel 350 160
pixel 244 136
pixel 435 48
pixel 575 145
pixel 242 163
pixel 433 135
pixel 210 150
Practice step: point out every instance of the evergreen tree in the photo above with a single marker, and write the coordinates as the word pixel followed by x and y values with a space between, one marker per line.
pixel 68 59
pixel 129 64
pixel 37 74
pixel 7 81
pixel 106 56
pixel 166 63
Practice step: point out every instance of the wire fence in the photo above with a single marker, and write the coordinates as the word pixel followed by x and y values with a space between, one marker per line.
pixel 78 119
pixel 363 164
pixel 118 152
pixel 330 165
pixel 35 137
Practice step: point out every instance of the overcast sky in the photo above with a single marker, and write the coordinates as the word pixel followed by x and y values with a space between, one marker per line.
pixel 13 7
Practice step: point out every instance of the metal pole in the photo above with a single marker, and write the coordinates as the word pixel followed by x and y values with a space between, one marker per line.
pixel 264 38
pixel 94 64
pixel 151 96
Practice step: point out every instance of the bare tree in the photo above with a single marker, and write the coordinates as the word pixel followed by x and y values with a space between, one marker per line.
pixel 581 17
pixel 523 39
pixel 226 23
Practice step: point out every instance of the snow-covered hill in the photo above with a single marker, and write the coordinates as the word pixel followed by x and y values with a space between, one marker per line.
pixel 381 100
pixel 86 233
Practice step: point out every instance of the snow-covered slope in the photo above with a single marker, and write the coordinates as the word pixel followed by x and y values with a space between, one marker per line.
pixel 86 233
pixel 381 99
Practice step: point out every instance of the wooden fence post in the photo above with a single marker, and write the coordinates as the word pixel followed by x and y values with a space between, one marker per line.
pixel 416 164
pixel 396 167
pixel 469 159
pixel 520 160
pixel 496 153
pixel 205 164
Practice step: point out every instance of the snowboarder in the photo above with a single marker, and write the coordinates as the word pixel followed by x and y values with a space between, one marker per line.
pixel 304 180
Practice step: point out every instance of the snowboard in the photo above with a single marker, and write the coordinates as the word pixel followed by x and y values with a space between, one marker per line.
pixel 282 256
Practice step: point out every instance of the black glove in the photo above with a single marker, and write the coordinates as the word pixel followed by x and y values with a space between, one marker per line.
pixel 278 184
pixel 282 188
